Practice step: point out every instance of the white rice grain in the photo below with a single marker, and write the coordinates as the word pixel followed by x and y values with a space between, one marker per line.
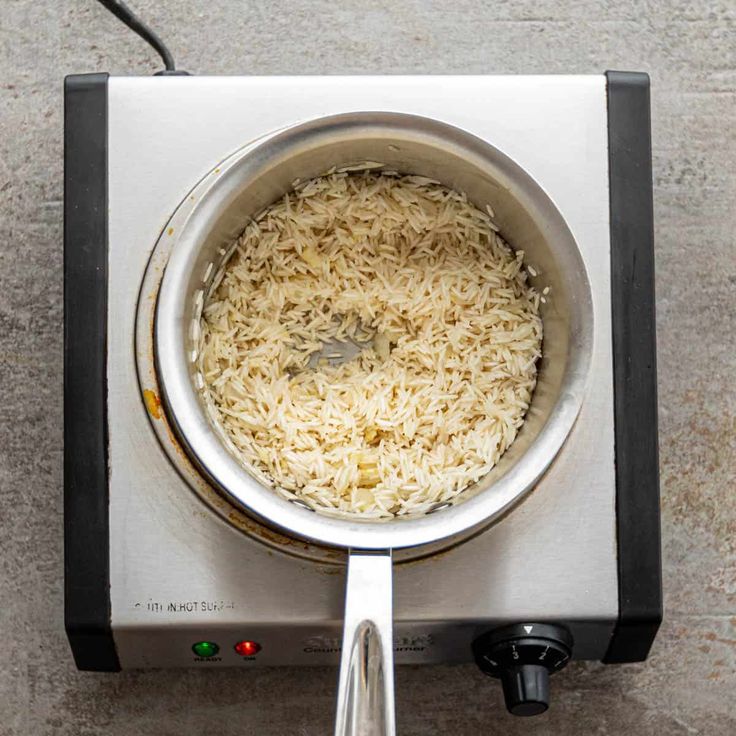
pixel 449 326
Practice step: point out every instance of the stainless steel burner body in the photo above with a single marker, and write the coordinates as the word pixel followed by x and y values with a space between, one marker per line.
pixel 184 565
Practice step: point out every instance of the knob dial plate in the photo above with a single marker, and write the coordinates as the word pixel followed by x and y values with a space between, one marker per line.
pixel 523 656
pixel 504 655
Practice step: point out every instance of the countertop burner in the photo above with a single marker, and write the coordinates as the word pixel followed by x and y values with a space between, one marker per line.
pixel 161 571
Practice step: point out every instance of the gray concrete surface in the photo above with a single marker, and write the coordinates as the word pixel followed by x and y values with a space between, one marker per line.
pixel 689 684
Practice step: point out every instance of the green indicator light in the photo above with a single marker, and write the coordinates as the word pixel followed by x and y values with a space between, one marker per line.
pixel 205 648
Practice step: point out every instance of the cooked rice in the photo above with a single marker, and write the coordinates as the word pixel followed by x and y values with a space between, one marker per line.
pixel 447 328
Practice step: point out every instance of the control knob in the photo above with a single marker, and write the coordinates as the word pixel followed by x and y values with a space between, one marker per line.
pixel 523 656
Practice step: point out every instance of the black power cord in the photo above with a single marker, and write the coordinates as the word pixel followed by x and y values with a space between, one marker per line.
pixel 120 10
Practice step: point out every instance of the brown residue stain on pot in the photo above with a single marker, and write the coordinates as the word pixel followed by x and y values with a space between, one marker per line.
pixel 273 537
pixel 175 444
pixel 170 231
pixel 153 403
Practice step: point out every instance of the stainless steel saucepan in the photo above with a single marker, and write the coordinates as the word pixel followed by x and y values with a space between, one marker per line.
pixel 255 177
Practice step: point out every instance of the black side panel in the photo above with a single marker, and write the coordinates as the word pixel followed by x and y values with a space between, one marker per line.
pixel 634 367
pixel 86 541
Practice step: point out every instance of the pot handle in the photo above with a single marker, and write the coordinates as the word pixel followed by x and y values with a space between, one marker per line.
pixel 365 697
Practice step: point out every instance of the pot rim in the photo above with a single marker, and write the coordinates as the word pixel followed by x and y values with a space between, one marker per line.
pixel 225 471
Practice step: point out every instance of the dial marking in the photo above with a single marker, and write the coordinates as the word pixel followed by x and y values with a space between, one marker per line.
pixel 514 653
pixel 528 629
pixel 543 654
pixel 489 660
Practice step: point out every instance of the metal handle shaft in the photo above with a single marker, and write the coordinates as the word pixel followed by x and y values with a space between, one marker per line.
pixel 365 699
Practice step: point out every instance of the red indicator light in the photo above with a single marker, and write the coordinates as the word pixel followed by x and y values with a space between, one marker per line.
pixel 247 648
